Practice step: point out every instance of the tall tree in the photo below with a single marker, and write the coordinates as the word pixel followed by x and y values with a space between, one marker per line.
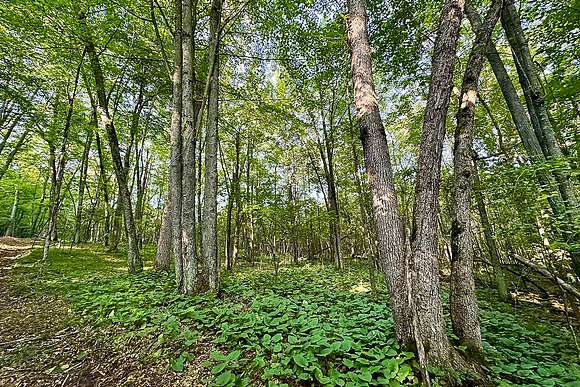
pixel 58 167
pixel 176 160
pixel 189 147
pixel 209 233
pixel 134 262
pixel 379 172
pixel 463 306
pixel 432 343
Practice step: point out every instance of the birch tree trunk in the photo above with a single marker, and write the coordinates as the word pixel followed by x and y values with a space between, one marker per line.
pixel 462 302
pixel 379 172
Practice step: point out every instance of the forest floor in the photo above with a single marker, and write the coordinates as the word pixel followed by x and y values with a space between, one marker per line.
pixel 79 319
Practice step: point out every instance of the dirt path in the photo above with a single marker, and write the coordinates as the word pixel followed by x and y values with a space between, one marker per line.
pixel 43 343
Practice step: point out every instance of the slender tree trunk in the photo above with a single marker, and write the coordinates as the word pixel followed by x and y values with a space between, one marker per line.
pixel 58 168
pixel 535 100
pixel 233 198
pixel 176 161
pixel 209 234
pixel 463 305
pixel 82 183
pixel 433 346
pixel 488 233
pixel 379 172
pixel 11 229
pixel 189 148
pixel 134 263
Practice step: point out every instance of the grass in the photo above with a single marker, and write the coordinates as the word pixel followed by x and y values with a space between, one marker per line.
pixel 307 325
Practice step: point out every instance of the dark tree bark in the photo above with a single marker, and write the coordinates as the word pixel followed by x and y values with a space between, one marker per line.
pixel 432 343
pixel 379 172
pixel 462 302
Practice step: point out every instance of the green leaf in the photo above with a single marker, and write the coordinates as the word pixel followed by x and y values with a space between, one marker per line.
pixel 300 360
pixel 224 379
pixel 218 368
pixel 366 376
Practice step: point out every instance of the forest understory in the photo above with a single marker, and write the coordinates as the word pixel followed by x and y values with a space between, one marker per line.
pixel 86 322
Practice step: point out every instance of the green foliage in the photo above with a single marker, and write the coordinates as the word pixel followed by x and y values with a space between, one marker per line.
pixel 310 324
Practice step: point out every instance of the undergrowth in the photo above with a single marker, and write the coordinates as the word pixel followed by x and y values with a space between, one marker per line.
pixel 304 325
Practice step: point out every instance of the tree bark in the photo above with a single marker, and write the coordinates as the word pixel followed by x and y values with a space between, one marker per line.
pixel 11 229
pixel 379 172
pixel 134 263
pixel 176 161
pixel 231 249
pixel 163 255
pixel 82 183
pixel 209 234
pixel 463 305
pixel 489 236
pixel 535 100
pixel 430 334
pixel 58 168
pixel 189 148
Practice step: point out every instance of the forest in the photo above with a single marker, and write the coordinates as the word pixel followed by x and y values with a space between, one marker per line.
pixel 290 193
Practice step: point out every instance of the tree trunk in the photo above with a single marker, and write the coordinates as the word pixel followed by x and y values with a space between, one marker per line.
pixel 134 263
pixel 58 168
pixel 176 162
pixel 231 249
pixel 163 255
pixel 535 100
pixel 492 248
pixel 11 229
pixel 379 172
pixel 462 302
pixel 189 148
pixel 209 234
pixel 432 343
pixel 82 183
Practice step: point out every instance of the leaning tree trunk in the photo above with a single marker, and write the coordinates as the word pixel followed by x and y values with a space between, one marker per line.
pixel 430 335
pixel 134 263
pixel 462 302
pixel 535 99
pixel 379 172
pixel 209 233
pixel 520 118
